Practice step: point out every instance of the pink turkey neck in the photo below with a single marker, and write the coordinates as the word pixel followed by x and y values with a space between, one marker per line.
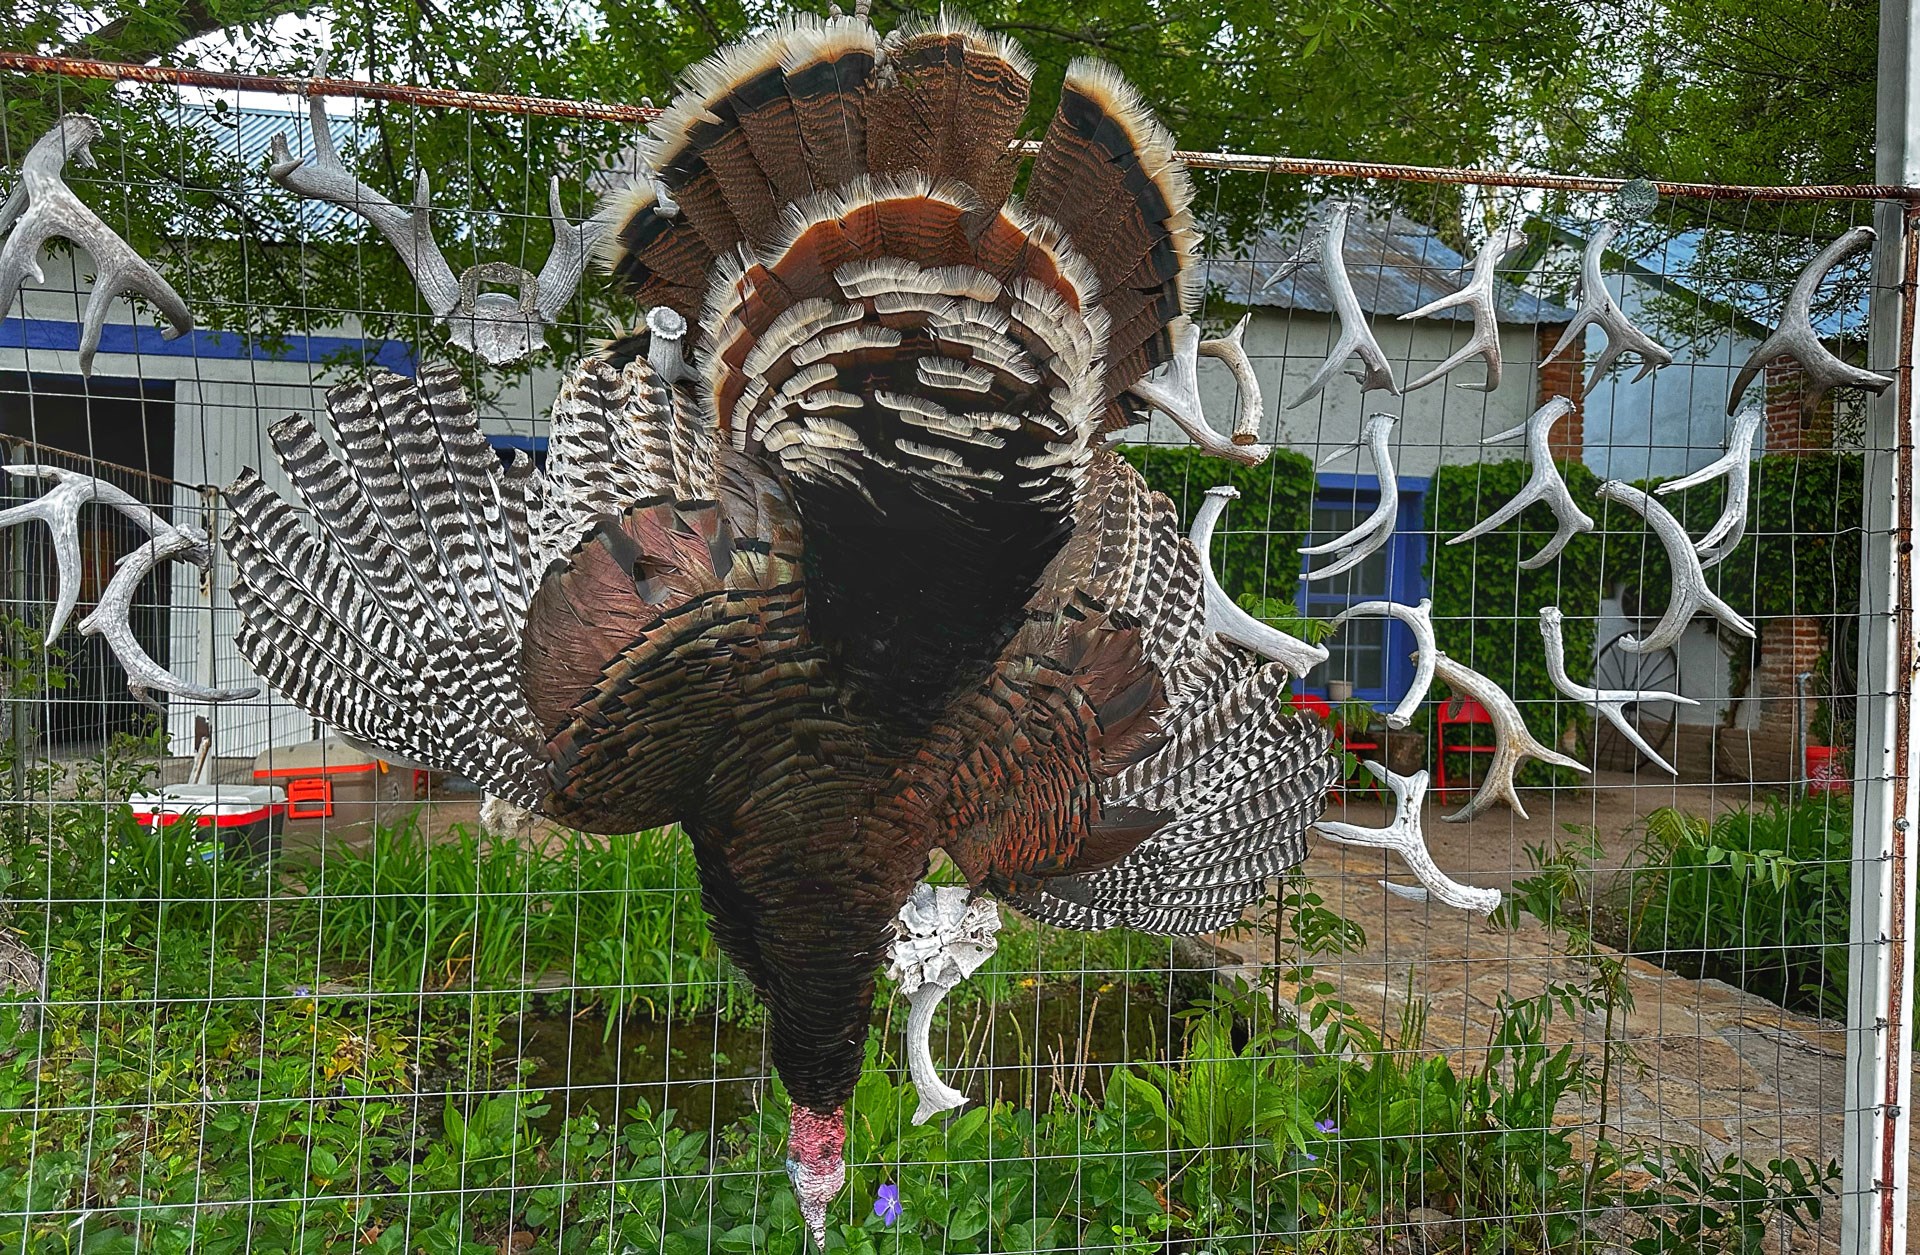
pixel 815 1140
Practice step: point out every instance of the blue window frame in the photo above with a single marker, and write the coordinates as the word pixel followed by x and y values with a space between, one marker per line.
pixel 1374 655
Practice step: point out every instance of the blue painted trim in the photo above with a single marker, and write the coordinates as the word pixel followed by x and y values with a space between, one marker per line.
pixel 1406 576
pixel 51 333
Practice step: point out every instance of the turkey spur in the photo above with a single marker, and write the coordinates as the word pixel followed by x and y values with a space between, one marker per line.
pixel 828 563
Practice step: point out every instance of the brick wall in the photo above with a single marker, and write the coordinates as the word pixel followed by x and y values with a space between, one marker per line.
pixel 1564 377
pixel 1791 428
pixel 1789 646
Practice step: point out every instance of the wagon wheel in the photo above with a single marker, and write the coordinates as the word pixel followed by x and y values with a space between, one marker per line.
pixel 1616 668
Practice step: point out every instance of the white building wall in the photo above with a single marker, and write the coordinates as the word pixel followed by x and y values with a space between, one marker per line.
pixel 223 407
pixel 1440 422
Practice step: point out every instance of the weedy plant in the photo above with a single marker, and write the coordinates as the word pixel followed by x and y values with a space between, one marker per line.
pixel 1759 898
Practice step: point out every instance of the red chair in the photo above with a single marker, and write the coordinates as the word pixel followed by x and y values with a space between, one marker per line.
pixel 1457 712
pixel 1318 706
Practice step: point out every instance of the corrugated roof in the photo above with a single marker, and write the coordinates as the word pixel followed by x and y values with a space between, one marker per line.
pixel 246 135
pixel 1396 265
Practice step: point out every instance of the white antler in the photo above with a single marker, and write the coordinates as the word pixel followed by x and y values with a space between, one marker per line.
pixel 1478 296
pixel 942 937
pixel 1420 619
pixel 1597 306
pixel 1545 484
pixel 1611 703
pixel 1513 743
pixel 59 508
pixel 1796 338
pixel 1371 532
pixel 1356 336
pixel 42 207
pixel 496 327
pixel 1690 592
pixel 1737 465
pixel 1227 620
pixel 1405 838
pixel 1176 392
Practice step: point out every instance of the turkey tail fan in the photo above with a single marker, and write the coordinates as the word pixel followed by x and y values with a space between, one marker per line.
pixel 949 101
pixel 397 618
pixel 653 253
pixel 763 123
pixel 1106 172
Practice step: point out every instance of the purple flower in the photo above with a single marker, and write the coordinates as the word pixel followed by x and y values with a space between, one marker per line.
pixel 1311 1157
pixel 1326 1126
pixel 887 1206
pixel 301 991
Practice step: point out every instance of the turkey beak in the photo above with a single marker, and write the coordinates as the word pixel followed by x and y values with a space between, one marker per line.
pixel 816 1165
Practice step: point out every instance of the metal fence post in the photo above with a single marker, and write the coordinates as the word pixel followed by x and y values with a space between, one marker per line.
pixel 1880 990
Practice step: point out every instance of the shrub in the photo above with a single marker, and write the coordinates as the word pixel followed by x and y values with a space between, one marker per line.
pixel 1256 548
pixel 1757 898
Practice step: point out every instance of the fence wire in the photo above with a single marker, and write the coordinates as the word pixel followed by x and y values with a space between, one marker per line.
pixel 384 1026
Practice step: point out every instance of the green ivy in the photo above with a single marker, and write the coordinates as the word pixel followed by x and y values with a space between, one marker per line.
pixel 1802 551
pixel 1486 608
pixel 1256 547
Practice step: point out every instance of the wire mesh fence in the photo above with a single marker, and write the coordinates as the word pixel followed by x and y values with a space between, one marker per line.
pixel 344 1004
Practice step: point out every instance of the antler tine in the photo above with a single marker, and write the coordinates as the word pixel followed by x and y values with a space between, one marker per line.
pixel 1545 484
pixel 573 244
pixel 1690 592
pixel 1478 296
pixel 1227 620
pixel 1513 743
pixel 59 508
pixel 1737 465
pixel 1177 394
pixel 1420 619
pixel 325 177
pixel 1356 336
pixel 1597 306
pixel 1371 532
pixel 43 207
pixel 1404 837
pixel 1796 338
pixel 1610 703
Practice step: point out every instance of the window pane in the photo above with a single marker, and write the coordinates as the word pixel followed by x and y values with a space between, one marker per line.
pixel 1358 655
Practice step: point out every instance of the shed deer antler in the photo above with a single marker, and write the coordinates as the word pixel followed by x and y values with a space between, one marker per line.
pixel 1545 484
pixel 1371 532
pixel 1690 593
pixel 1227 620
pixel 1597 306
pixel 1796 338
pixel 1611 703
pixel 1356 336
pixel 1177 393
pixel 1405 837
pixel 1478 296
pixel 42 207
pixel 1513 743
pixel 1737 465
pixel 496 327
pixel 59 508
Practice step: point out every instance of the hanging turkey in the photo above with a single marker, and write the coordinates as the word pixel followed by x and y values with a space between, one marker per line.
pixel 829 563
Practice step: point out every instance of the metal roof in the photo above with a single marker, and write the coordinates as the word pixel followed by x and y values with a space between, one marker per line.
pixel 1396 265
